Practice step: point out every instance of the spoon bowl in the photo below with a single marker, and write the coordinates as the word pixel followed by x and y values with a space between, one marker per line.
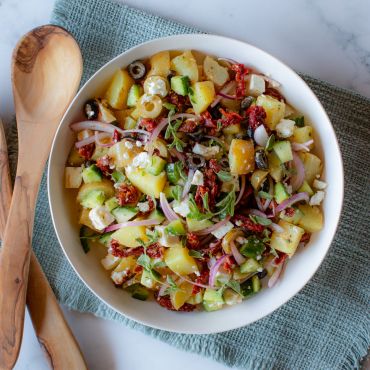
pixel 46 72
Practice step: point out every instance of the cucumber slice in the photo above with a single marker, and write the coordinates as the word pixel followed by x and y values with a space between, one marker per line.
pixel 105 238
pixel 156 165
pixel 85 236
pixel 250 265
pixel 112 203
pixel 180 85
pixel 280 193
pixel 283 150
pixel 134 95
pixel 196 225
pixel 173 173
pixel 91 174
pixel 139 292
pixel 256 284
pixel 94 198
pixel 123 214
pixel 175 228
pixel 253 247
pixel 156 215
pixel 212 300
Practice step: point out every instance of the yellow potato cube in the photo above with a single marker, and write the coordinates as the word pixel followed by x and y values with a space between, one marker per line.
pixel 202 95
pixel 186 65
pixel 301 134
pixel 257 178
pixel 179 261
pixel 241 156
pixel 312 166
pixel 105 186
pixel 146 182
pixel 274 109
pixel 312 218
pixel 127 236
pixel 275 168
pixel 160 64
pixel 118 89
pixel 287 241
pixel 121 155
pixel 215 72
pixel 181 295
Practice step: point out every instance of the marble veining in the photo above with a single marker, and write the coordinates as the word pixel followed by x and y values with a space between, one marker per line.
pixel 326 39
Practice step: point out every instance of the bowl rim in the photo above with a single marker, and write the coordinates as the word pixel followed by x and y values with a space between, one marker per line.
pixel 340 180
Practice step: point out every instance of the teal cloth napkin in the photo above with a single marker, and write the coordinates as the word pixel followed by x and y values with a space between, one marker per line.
pixel 327 325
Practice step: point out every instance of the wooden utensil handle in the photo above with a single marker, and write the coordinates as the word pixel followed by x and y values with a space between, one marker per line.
pixel 52 330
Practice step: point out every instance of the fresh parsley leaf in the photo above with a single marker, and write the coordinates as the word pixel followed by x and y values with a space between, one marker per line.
pixel 171 131
pixel 176 192
pixel 145 262
pixel 205 202
pixel 235 286
pixel 273 252
pixel 169 106
pixel 265 195
pixel 195 254
pixel 159 264
pixel 224 176
pixel 299 121
pixel 195 213
pixel 260 220
pixel 270 142
pixel 227 204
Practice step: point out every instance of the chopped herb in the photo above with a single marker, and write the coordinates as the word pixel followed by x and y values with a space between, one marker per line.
pixel 260 220
pixel 195 213
pixel 224 176
pixel 159 264
pixel 172 131
pixel 118 177
pixel 169 106
pixel 195 254
pixel 235 286
pixel 227 204
pixel 172 285
pixel 265 195
pixel 148 265
pixel 205 202
pixel 270 142
pixel 299 121
pixel 176 192
pixel 253 247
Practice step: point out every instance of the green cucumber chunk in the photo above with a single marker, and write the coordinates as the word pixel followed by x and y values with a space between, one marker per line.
pixel 253 247
pixel 86 234
pixel 91 174
pixel 250 265
pixel 283 150
pixel 134 95
pixel 256 284
pixel 156 215
pixel 123 214
pixel 212 300
pixel 280 193
pixel 175 228
pixel 93 198
pixel 105 238
pixel 112 203
pixel 180 85
pixel 139 292
pixel 156 165
pixel 173 171
pixel 196 225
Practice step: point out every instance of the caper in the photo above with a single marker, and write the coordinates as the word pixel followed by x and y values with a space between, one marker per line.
pixel 91 109
pixel 246 102
pixel 137 70
pixel 261 159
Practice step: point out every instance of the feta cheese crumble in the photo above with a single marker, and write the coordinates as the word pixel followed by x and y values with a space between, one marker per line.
pixel 317 198
pixel 205 151
pixel 141 160
pixel 220 232
pixel 143 206
pixel 182 208
pixel 198 178
pixel 285 128
pixel 320 185
pixel 156 86
pixel 100 217
pixel 256 85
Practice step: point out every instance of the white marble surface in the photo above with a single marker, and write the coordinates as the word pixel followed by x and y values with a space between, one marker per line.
pixel 327 39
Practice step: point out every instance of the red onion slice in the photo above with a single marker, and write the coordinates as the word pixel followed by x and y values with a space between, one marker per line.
pixel 292 200
pixel 187 185
pixel 214 269
pixel 258 213
pixel 87 141
pixel 242 189
pixel 276 227
pixel 131 223
pixel 261 136
pixel 227 96
pixel 214 227
pixel 237 255
pixel 258 201
pixel 297 180
pixel 302 146
pixel 166 208
pixel 227 88
pixel 275 276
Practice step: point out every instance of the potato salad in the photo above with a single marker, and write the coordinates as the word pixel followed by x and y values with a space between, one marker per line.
pixel 197 178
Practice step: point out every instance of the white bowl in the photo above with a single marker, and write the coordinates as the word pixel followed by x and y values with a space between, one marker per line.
pixel 300 268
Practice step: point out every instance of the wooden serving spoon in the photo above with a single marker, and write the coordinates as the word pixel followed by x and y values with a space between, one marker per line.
pixel 46 71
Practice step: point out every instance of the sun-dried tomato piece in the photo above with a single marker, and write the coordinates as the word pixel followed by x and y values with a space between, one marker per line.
pixel 213 165
pixel 155 251
pixel 306 237
pixel 229 264
pixel 274 93
pixel 116 250
pixel 138 269
pixel 209 123
pixel 87 151
pixel 165 302
pixel 203 278
pixel 188 126
pixel 256 116
pixel 192 241
pixel 229 118
pixel 240 72
pixel 116 136
pixel 148 124
pixel 181 102
pixel 289 212
pixel 103 165
pixel 127 194
pixel 247 223
pixel 200 193
pixel 213 248
pixel 278 260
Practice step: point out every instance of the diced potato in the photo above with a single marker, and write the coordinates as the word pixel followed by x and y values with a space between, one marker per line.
pixel 257 178
pixel 312 166
pixel 202 95
pixel 121 116
pixel 73 177
pixel 126 263
pixel 179 261
pixel 128 236
pixel 241 156
pixel 105 114
pixel 274 109
pixel 275 169
pixel 147 280
pixel 186 65
pixel 181 295
pixel 118 89
pixel 146 182
pixel 99 151
pixel 288 240
pixel 109 262
pixel 232 129
pixel 105 186
pixel 74 158
pixel 312 218
pixel 301 134
pixel 121 155
pixel 214 72
pixel 160 64
pixel 85 219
